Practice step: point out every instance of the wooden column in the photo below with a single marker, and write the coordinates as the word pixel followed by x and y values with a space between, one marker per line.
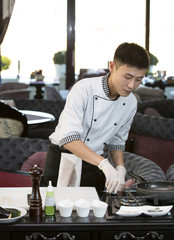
pixel 70 58
pixel 147 29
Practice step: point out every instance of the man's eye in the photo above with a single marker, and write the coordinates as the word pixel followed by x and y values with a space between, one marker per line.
pixel 128 77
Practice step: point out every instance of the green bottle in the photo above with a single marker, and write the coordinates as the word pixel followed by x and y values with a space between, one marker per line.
pixel 50 206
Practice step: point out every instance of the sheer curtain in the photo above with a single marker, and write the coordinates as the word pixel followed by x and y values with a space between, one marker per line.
pixel 6 7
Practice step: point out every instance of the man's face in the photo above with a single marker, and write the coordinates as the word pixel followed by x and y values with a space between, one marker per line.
pixel 124 79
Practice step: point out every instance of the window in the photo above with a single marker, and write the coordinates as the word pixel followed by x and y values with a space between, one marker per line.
pixel 36 31
pixel 162 34
pixel 102 25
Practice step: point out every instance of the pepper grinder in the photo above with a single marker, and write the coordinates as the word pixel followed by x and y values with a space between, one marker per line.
pixel 35 208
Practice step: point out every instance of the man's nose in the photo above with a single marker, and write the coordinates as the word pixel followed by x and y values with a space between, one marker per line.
pixel 131 84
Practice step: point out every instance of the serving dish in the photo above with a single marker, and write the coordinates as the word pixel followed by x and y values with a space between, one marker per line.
pixel 153 211
pixel 17 213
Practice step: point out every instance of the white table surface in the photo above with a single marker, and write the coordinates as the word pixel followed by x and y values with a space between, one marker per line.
pixel 36 117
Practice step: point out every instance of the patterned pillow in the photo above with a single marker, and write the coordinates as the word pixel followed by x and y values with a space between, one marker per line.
pixel 10 128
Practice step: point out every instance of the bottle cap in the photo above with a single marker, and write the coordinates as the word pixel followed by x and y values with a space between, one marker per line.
pixel 50 187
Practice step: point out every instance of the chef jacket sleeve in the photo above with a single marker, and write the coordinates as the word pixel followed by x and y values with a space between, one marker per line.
pixel 70 127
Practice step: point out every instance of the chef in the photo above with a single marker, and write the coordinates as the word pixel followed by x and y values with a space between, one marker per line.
pixel 97 118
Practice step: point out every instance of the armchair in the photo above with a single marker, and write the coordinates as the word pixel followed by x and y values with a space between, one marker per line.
pixel 144 93
pixel 14 90
pixel 152 136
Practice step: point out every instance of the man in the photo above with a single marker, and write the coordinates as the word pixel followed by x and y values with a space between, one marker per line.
pixel 97 117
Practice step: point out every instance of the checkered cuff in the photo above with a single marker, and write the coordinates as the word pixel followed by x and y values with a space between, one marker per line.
pixel 69 139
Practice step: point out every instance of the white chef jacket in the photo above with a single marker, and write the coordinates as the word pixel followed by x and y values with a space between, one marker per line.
pixel 91 116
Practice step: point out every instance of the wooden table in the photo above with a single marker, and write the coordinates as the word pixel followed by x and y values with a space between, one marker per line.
pixel 89 228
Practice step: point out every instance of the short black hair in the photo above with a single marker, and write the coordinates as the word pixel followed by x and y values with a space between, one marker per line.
pixel 133 55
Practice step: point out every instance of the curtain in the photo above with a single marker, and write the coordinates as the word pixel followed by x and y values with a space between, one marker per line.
pixel 6 9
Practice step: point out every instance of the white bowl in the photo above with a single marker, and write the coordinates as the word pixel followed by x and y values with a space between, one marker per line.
pixel 82 207
pixel 99 208
pixel 65 207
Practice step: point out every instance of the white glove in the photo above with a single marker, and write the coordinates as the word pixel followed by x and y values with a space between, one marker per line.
pixel 121 175
pixel 111 174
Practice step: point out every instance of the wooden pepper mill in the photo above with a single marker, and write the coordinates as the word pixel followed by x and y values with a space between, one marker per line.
pixel 35 203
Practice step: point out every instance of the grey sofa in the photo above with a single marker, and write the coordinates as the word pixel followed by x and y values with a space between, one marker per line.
pixel 152 132
pixel 15 151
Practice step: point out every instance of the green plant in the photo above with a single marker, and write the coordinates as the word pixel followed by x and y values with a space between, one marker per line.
pixel 153 59
pixel 60 57
pixel 5 63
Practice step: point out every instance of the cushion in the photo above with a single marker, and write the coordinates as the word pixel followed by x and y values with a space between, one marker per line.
pixel 151 111
pixel 10 128
pixel 37 158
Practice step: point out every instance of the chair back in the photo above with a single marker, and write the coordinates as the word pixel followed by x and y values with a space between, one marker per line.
pixel 14 90
pixel 52 93
pixel 12 85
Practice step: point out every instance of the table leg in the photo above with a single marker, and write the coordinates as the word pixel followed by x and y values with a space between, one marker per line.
pixel 39 92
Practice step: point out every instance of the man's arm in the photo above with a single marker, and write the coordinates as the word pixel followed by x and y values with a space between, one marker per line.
pixel 82 151
pixel 117 157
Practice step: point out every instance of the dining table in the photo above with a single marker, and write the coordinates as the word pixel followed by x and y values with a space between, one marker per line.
pixel 39 85
pixel 37 117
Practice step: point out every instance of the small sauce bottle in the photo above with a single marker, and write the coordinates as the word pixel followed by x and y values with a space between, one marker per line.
pixel 50 206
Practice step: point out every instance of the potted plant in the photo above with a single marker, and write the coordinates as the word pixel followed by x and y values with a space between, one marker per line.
pixel 60 57
pixel 59 60
pixel 153 59
pixel 5 63
pixel 153 62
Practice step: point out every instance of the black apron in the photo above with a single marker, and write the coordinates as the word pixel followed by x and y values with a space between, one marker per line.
pixel 91 175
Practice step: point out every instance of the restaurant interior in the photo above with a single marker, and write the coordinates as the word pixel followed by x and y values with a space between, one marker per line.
pixel 30 108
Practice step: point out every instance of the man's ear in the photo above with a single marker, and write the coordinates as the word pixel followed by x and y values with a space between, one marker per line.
pixel 112 66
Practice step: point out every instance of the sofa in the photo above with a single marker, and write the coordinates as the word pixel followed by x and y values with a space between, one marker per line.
pixel 19 155
pixel 152 132
pixel 14 90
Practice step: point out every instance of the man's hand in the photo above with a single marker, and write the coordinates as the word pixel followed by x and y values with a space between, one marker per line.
pixel 121 175
pixel 111 174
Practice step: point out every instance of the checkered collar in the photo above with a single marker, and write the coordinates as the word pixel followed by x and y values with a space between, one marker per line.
pixel 105 84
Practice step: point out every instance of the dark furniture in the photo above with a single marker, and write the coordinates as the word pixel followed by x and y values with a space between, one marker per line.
pixel 152 132
pixel 90 228
pixel 52 94
pixel 15 151
pixel 53 107
pixel 39 85
pixel 144 93
pixel 14 90
pixel 162 84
